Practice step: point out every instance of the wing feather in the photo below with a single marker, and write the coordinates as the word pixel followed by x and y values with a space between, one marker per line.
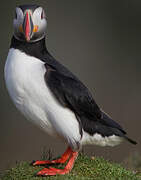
pixel 73 94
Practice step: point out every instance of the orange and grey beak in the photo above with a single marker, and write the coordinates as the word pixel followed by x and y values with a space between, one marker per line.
pixel 27 26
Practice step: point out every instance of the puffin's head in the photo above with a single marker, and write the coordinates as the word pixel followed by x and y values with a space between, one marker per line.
pixel 29 23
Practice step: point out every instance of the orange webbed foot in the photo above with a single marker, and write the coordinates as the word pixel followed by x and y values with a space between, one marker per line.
pixel 61 160
pixel 54 171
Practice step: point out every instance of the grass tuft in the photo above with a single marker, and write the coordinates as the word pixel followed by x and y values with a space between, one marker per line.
pixel 85 168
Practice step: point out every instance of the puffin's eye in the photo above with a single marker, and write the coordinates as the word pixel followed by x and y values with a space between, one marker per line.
pixel 43 15
pixel 15 15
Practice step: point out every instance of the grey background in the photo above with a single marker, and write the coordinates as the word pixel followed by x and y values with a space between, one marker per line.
pixel 100 42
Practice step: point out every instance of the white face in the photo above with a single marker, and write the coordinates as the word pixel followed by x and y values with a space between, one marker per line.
pixel 29 24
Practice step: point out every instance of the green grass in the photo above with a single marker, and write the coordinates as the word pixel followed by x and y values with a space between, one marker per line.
pixel 85 168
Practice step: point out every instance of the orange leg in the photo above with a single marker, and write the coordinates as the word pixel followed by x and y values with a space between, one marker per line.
pixel 61 160
pixel 53 171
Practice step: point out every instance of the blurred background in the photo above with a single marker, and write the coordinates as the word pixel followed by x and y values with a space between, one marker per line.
pixel 99 41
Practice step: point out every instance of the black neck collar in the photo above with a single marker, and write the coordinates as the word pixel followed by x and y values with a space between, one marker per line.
pixel 36 49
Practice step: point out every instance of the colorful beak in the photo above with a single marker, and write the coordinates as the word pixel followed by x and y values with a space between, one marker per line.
pixel 28 26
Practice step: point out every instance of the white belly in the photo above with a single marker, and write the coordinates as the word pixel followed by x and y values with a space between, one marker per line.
pixel 24 76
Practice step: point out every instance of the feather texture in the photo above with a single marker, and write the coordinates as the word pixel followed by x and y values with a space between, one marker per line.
pixel 72 95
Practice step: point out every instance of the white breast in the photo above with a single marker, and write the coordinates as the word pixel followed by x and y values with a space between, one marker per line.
pixel 24 76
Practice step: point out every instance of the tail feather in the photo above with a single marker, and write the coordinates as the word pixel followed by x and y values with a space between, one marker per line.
pixel 107 120
pixel 130 140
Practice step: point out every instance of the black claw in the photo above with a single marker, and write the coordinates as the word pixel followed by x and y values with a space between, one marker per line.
pixel 31 164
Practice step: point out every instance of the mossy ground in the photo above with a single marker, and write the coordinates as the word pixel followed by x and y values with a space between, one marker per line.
pixel 85 168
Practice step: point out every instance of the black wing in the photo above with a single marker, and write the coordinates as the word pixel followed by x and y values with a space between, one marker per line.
pixel 73 94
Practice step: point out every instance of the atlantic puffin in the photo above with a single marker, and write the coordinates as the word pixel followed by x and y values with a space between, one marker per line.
pixel 51 96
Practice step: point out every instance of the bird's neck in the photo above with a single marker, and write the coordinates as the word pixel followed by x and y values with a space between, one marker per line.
pixel 38 49
pixel 35 49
